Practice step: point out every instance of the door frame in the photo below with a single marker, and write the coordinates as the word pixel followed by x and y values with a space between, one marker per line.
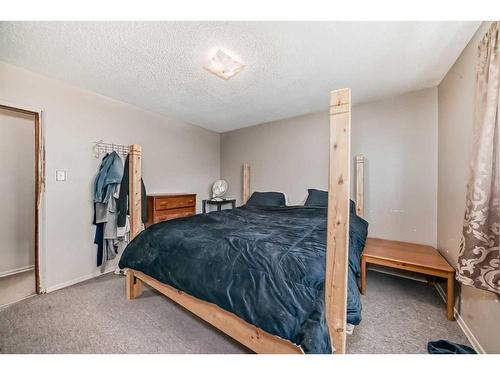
pixel 39 188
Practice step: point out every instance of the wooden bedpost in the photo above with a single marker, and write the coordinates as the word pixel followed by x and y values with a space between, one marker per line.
pixel 338 218
pixel 135 176
pixel 134 285
pixel 246 182
pixel 360 201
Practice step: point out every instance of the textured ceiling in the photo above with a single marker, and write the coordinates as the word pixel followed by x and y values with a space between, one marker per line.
pixel 290 66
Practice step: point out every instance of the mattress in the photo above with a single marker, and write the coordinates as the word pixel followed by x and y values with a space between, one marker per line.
pixel 266 265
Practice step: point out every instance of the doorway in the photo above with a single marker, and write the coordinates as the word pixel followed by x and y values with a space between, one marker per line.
pixel 20 188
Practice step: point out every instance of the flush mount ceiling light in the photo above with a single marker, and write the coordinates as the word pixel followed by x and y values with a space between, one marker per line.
pixel 223 65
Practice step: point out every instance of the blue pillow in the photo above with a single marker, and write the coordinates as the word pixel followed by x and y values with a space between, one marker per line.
pixel 319 198
pixel 352 207
pixel 271 198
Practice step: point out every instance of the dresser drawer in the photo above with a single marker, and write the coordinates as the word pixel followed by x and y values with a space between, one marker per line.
pixel 165 203
pixel 162 207
pixel 175 213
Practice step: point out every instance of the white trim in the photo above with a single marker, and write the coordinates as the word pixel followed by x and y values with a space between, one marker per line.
pixel 78 280
pixel 15 271
pixel 63 285
pixel 461 323
pixel 5 305
pixel 42 214
pixel 20 106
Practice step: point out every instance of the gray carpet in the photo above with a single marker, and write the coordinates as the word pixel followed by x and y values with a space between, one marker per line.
pixel 399 316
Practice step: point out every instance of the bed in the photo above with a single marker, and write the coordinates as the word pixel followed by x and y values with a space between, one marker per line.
pixel 266 265
pixel 278 288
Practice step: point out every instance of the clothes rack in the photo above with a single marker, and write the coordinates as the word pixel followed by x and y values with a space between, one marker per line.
pixel 135 151
pixel 101 147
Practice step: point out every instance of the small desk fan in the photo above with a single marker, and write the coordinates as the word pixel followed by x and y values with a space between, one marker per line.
pixel 219 188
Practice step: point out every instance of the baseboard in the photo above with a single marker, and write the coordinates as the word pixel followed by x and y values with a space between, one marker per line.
pixel 461 323
pixel 77 280
pixel 15 271
pixel 63 285
pixel 16 301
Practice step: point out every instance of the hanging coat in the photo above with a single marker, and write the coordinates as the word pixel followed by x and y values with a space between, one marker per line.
pixel 110 174
pixel 105 212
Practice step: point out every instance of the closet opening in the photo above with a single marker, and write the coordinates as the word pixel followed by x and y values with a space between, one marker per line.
pixel 21 185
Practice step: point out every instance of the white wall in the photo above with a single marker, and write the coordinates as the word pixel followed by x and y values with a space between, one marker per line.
pixel 398 137
pixel 177 157
pixel 17 187
pixel 479 309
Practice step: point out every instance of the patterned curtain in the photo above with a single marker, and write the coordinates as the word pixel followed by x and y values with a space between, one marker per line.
pixel 479 258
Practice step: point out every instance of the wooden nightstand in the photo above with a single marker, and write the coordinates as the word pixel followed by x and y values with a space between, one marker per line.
pixel 163 207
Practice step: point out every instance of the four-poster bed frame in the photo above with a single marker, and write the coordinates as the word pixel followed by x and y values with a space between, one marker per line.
pixel 336 249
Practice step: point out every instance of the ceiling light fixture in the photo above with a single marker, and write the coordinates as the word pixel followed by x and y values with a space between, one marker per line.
pixel 223 65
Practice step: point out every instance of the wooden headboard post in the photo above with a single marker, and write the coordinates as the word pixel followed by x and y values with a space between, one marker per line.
pixel 246 182
pixel 360 200
pixel 338 218
pixel 135 176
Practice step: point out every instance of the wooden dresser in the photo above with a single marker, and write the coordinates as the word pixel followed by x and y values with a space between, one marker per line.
pixel 162 207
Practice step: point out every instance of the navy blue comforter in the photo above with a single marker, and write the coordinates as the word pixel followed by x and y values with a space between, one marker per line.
pixel 266 265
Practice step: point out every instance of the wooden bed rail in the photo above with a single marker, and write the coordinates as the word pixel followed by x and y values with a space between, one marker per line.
pixel 247 334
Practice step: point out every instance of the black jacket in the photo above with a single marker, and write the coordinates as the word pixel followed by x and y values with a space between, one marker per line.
pixel 122 204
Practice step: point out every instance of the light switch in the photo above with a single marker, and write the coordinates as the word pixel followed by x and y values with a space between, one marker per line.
pixel 60 175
